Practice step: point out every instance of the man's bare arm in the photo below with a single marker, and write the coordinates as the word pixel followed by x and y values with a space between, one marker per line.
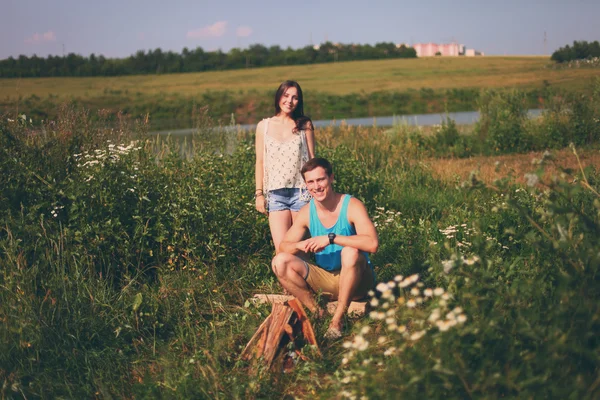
pixel 292 240
pixel 366 236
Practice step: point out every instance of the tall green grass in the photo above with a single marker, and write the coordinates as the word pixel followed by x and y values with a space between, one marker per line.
pixel 504 126
pixel 126 263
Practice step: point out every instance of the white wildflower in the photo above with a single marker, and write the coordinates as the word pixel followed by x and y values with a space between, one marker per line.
pixel 472 260
pixel 409 280
pixel 361 345
pixel 377 315
pixel 435 315
pixel 448 265
pixel 417 335
pixel 442 326
pixel 389 351
pixel 532 179
pixel 381 287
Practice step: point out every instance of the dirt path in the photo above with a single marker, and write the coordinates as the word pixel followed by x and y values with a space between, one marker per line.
pixel 495 167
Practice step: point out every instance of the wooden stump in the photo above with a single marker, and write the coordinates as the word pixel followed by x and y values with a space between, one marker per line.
pixel 287 323
pixel 357 308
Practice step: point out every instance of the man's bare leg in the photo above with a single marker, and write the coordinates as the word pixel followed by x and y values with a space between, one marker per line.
pixel 290 271
pixel 353 263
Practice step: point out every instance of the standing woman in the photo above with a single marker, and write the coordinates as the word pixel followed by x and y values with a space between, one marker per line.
pixel 283 144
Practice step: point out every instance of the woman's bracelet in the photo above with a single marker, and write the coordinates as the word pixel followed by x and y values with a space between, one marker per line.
pixel 258 193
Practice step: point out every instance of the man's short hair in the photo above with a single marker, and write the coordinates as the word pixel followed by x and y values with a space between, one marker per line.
pixel 317 162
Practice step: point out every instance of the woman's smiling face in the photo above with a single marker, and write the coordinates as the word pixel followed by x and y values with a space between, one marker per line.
pixel 289 100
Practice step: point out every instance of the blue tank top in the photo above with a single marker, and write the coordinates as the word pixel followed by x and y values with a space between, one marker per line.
pixel 330 258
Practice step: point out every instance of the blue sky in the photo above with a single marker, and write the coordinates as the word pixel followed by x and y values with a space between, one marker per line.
pixel 118 28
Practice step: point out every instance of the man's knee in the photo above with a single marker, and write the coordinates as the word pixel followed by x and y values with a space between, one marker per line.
pixel 280 263
pixel 351 257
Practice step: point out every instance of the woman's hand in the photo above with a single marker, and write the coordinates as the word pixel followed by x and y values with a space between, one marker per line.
pixel 260 204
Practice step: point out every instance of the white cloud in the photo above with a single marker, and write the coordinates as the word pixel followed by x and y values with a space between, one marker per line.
pixel 39 38
pixel 215 30
pixel 243 31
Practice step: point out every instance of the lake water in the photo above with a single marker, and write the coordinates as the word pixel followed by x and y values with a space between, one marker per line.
pixel 461 118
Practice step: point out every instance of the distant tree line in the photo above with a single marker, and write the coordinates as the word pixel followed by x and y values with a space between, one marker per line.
pixel 579 51
pixel 160 62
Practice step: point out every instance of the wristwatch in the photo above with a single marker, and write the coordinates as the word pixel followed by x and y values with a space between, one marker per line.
pixel 331 237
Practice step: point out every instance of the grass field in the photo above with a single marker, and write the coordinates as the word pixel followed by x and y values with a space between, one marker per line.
pixel 332 91
pixel 125 269
pixel 337 79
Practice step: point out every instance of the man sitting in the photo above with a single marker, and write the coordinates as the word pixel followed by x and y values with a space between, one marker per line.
pixel 341 235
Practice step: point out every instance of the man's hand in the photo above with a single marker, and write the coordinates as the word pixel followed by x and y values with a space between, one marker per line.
pixel 313 244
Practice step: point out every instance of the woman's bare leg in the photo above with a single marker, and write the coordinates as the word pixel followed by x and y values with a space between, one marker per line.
pixel 279 222
pixel 294 215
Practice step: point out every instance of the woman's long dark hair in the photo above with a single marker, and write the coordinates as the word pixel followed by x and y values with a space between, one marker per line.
pixel 298 113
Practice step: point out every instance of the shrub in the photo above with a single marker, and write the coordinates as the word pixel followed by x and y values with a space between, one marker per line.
pixel 502 119
pixel 488 321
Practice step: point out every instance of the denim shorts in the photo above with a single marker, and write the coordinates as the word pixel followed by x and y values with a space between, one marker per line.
pixel 285 199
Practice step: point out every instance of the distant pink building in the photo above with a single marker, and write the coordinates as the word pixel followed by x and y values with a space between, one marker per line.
pixel 447 50
pixel 432 49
